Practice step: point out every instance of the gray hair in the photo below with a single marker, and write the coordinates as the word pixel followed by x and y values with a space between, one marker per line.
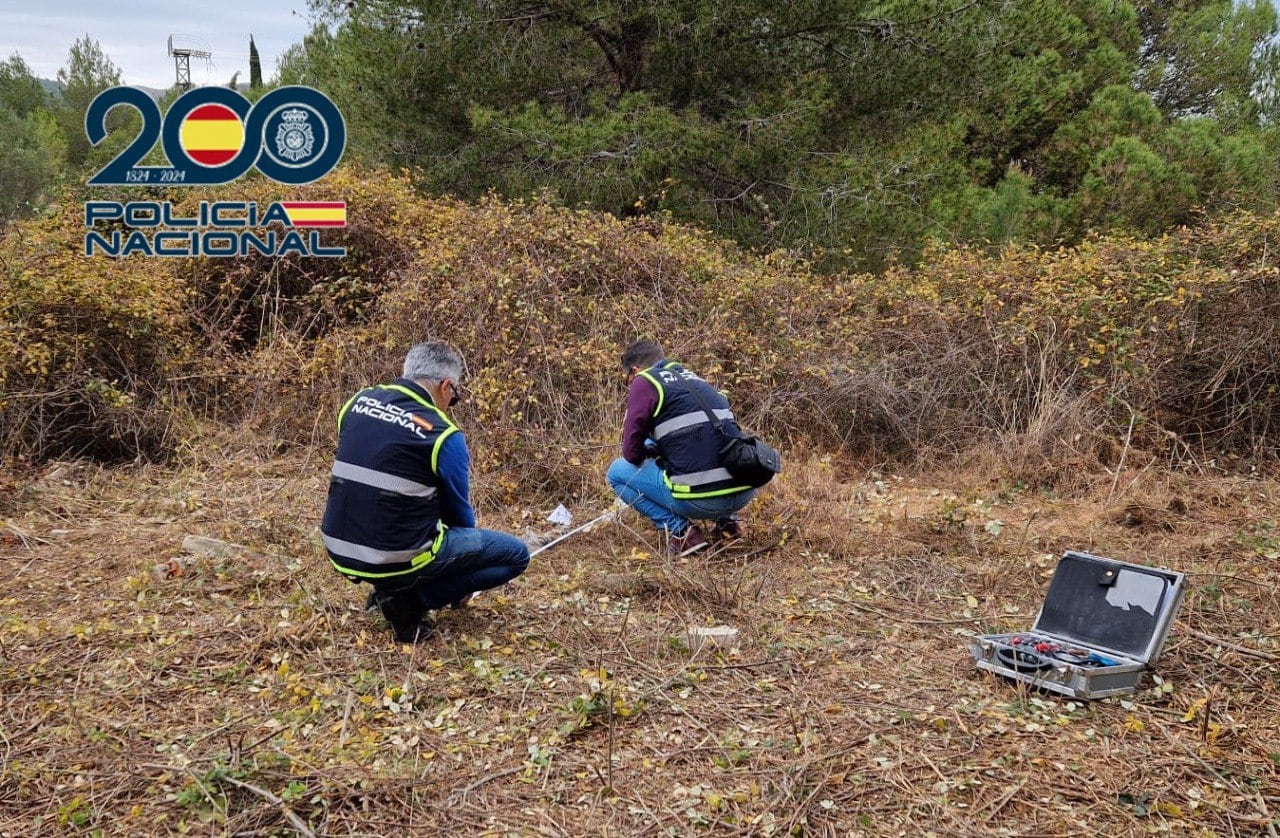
pixel 433 361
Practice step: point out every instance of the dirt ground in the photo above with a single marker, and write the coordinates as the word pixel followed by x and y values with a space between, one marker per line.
pixel 148 690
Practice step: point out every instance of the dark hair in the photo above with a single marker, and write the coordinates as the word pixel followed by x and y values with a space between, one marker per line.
pixel 642 353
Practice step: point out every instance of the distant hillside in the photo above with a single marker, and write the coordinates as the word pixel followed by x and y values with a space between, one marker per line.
pixel 153 92
pixel 55 88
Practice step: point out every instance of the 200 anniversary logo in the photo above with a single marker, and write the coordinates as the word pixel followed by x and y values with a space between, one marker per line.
pixel 213 135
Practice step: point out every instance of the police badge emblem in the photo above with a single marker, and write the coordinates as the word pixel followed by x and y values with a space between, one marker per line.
pixel 294 138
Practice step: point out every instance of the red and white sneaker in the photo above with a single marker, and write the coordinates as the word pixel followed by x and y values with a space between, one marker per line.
pixel 690 541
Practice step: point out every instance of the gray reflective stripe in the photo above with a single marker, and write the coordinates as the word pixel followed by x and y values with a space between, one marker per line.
pixel 687 420
pixel 699 478
pixel 382 480
pixel 370 555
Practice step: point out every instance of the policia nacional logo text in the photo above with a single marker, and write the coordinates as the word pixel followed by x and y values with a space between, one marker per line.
pixel 371 407
pixel 213 135
pixel 221 228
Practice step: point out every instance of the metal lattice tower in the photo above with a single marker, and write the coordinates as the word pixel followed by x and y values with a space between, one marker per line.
pixel 182 62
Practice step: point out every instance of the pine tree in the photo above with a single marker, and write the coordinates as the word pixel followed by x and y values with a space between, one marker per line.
pixel 88 72
pixel 860 127
pixel 255 66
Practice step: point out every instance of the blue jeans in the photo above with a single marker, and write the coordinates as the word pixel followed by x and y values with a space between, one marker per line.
pixel 470 560
pixel 642 487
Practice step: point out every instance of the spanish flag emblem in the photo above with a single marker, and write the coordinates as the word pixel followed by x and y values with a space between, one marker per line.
pixel 316 213
pixel 212 134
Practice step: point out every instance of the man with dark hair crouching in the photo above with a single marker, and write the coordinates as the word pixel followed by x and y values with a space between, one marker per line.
pixel 670 467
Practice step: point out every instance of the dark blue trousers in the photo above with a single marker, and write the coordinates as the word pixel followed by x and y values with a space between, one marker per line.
pixel 470 560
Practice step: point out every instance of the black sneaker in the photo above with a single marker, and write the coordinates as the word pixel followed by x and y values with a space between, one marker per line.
pixel 414 633
pixel 728 528
pixel 404 612
pixel 461 602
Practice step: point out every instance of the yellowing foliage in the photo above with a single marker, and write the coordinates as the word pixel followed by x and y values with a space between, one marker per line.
pixel 1166 341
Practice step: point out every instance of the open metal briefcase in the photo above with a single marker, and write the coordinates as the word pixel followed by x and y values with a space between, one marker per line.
pixel 1102 624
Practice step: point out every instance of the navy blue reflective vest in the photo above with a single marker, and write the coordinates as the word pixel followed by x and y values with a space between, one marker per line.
pixel 688 443
pixel 383 514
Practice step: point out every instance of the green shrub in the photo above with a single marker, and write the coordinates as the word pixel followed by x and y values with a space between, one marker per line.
pixel 1167 342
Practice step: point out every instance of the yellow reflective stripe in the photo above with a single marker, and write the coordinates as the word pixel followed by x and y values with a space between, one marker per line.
pixel 449 426
pixel 346 571
pixel 435 450
pixel 342 413
pixel 682 491
pixel 661 394
pixel 731 490
pixel 418 562
pixel 399 389
pixel 424 402
pixel 427 556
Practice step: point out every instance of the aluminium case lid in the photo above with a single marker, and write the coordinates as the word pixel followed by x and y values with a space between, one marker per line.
pixel 1110 606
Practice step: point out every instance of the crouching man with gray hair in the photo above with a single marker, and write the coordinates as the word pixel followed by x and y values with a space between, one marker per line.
pixel 399 513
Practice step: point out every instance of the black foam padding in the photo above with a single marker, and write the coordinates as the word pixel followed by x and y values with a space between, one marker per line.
pixel 1122 615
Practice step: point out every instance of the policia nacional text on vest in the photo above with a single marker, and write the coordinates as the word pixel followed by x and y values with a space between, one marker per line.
pixel 382 518
pixel 688 443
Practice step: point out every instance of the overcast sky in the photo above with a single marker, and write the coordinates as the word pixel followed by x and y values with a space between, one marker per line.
pixel 134 34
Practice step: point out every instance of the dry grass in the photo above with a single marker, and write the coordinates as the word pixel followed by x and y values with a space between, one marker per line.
pixel 253 695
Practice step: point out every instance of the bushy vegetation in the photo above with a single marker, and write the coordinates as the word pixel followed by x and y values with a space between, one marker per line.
pixel 1167 342
pixel 855 130
pixel 1020 240
pixel 114 359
